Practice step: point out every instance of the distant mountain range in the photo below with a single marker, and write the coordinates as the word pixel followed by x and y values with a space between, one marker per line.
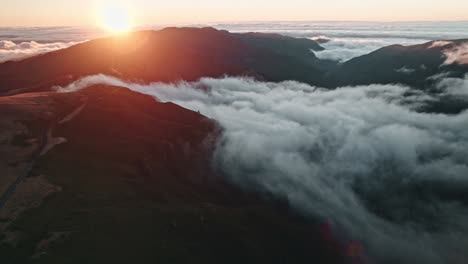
pixel 174 54
pixel 168 55
pixel 410 65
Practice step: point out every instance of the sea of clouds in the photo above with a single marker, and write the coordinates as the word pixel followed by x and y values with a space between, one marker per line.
pixel 11 50
pixel 345 40
pixel 364 158
pixel 342 40
pixel 21 42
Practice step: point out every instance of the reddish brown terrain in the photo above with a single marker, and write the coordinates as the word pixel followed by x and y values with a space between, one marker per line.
pixel 107 175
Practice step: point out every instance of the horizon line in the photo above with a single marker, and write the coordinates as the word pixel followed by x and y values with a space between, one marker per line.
pixel 208 23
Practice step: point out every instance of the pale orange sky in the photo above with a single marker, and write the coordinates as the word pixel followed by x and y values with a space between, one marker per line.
pixel 143 12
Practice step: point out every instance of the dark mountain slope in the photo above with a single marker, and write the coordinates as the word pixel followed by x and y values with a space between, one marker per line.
pixel 168 55
pixel 411 65
pixel 297 48
pixel 132 182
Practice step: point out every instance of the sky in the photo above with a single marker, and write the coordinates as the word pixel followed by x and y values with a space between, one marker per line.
pixel 144 12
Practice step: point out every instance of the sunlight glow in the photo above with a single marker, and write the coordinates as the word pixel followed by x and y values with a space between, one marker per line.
pixel 115 18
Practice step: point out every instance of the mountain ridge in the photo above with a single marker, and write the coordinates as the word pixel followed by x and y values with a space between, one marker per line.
pixel 187 54
pixel 132 180
pixel 167 55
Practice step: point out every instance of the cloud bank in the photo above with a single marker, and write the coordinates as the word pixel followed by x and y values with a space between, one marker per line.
pixel 454 86
pixel 457 54
pixel 439 43
pixel 343 49
pixel 11 50
pixel 360 158
pixel 346 40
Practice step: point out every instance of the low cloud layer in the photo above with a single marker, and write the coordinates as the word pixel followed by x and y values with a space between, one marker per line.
pixel 359 30
pixel 11 50
pixel 440 43
pixel 405 70
pixel 346 40
pixel 454 86
pixel 343 49
pixel 360 158
pixel 457 54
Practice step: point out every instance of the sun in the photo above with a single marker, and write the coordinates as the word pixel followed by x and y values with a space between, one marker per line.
pixel 114 18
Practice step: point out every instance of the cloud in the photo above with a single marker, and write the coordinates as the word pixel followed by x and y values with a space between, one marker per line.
pixel 343 49
pixel 6 44
pixel 321 39
pixel 50 34
pixel 405 70
pixel 457 54
pixel 346 40
pixel 440 43
pixel 11 50
pixel 359 157
pixel 454 86
pixel 420 32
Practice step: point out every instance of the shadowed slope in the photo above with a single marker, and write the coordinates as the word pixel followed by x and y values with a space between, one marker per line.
pixel 134 183
pixel 410 65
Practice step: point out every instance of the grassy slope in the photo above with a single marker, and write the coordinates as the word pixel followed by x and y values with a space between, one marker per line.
pixel 137 187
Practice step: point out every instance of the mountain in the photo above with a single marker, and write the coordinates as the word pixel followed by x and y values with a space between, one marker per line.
pixel 410 65
pixel 168 55
pixel 174 54
pixel 107 175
